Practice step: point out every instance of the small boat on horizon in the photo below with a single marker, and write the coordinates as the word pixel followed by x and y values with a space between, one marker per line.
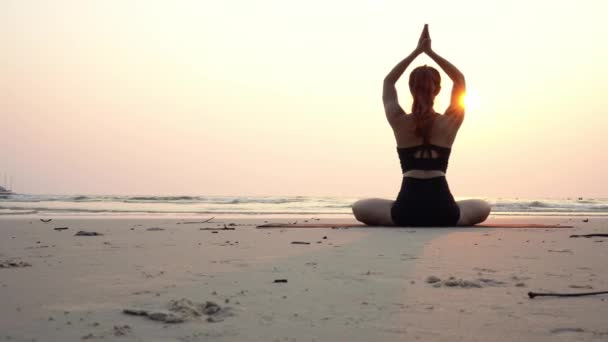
pixel 5 188
pixel 5 192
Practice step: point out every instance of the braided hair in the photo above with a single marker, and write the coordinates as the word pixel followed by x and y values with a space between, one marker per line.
pixel 425 83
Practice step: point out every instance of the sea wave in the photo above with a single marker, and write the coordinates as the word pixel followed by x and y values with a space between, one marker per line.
pixel 162 198
pixel 14 211
pixel 538 204
pixel 258 205
pixel 550 206
pixel 158 199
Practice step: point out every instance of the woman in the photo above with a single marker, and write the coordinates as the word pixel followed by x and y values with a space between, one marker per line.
pixel 424 141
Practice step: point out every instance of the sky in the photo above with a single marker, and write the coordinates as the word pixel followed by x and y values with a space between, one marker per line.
pixel 276 97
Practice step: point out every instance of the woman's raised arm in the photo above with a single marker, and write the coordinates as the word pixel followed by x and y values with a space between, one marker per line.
pixel 389 93
pixel 459 88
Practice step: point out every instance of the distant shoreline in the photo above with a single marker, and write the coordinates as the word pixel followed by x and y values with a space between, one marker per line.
pixel 84 206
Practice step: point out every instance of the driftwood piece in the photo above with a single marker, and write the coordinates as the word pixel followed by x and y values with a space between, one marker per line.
pixel 589 235
pixel 196 222
pixel 216 229
pixel 576 294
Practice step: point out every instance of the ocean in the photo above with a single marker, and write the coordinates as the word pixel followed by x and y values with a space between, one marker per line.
pixel 243 206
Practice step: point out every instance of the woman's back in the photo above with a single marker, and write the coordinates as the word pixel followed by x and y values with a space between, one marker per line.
pixel 442 131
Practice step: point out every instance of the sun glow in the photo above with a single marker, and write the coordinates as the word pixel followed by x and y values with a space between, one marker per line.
pixel 470 100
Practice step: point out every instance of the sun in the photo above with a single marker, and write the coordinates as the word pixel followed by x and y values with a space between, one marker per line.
pixel 470 100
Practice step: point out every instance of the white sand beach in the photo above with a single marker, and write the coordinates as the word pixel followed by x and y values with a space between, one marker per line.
pixel 382 284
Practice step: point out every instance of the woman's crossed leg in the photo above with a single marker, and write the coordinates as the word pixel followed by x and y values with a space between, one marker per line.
pixel 377 211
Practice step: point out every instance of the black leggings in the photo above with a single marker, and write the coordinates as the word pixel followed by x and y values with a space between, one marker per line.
pixel 425 202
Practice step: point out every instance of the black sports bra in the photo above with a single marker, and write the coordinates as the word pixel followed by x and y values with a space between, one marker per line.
pixel 420 157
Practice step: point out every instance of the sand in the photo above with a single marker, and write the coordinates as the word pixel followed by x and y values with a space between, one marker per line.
pixel 224 280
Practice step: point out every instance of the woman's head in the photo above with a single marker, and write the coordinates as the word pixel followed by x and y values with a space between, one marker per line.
pixel 425 84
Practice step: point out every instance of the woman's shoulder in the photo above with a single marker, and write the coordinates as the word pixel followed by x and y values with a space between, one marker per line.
pixel 449 120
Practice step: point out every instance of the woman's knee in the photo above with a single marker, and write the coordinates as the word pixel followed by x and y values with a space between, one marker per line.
pixel 481 212
pixel 473 211
pixel 373 211
pixel 484 210
pixel 356 207
pixel 361 209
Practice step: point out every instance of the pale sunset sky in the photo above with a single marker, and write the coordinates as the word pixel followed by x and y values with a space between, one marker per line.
pixel 278 97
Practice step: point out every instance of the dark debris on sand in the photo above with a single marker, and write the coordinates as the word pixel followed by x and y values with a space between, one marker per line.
pixel 182 310
pixel 463 283
pixel 85 233
pixel 122 330
pixel 14 264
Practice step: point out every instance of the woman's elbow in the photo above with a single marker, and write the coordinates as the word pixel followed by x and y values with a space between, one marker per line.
pixel 461 81
pixel 388 82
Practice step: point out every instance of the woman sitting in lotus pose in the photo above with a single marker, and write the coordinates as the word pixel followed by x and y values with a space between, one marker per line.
pixel 424 141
